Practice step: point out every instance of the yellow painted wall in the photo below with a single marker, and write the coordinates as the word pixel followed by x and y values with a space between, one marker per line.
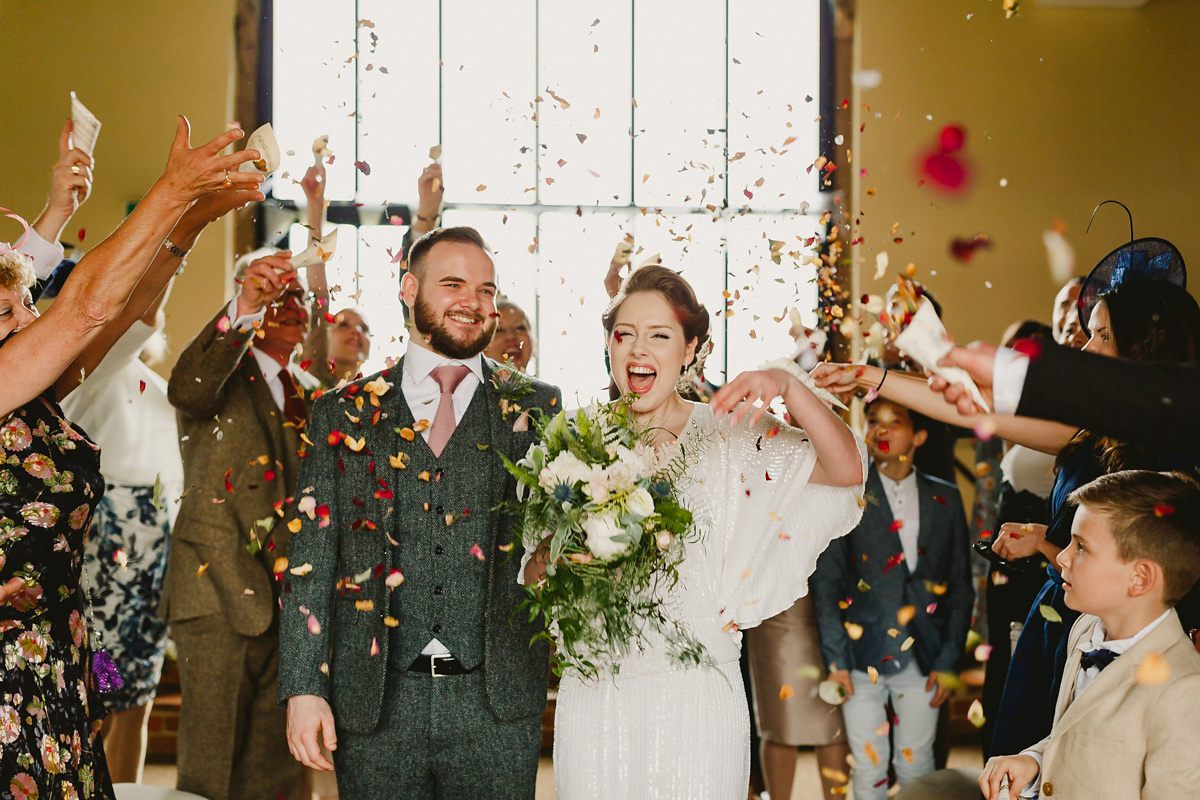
pixel 135 64
pixel 1071 106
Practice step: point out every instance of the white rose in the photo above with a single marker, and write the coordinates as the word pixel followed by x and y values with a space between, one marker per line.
pixel 600 530
pixel 639 502
pixel 565 468
pixel 596 488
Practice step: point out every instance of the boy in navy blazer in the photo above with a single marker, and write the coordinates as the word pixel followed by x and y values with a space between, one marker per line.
pixel 894 601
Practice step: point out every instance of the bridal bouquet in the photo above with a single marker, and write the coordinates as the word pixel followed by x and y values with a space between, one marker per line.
pixel 608 503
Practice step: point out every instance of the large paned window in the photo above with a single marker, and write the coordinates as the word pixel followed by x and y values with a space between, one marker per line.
pixel 565 124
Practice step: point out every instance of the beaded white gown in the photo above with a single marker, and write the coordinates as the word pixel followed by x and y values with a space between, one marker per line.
pixel 661 731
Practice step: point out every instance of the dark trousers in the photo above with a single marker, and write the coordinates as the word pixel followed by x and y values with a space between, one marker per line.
pixel 437 738
pixel 232 731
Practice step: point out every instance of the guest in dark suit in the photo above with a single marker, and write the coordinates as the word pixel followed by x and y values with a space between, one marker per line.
pixel 241 411
pixel 893 604
pixel 400 649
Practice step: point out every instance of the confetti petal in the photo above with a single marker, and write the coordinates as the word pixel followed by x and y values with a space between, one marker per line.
pixel 1049 613
pixel 1152 671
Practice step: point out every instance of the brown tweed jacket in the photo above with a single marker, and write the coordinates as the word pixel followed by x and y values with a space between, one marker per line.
pixel 240 465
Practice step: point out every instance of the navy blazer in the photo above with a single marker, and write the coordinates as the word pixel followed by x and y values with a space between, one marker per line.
pixel 863 572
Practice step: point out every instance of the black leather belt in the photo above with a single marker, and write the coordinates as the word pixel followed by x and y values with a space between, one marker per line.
pixel 439 666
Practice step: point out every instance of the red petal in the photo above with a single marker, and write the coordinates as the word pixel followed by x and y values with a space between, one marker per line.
pixel 952 138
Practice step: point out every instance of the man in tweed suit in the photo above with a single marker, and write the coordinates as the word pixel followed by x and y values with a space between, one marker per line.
pixel 400 649
pixel 240 410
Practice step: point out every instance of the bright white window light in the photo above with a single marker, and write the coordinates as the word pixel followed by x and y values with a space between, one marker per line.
pixel 564 126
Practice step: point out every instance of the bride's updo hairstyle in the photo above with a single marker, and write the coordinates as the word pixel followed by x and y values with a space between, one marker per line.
pixel 692 315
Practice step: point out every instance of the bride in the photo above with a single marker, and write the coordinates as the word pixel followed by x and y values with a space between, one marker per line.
pixel 767 496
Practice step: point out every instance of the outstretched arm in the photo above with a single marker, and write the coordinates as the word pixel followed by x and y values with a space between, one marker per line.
pixel 151 290
pixel 197 385
pixel 838 462
pixel 101 284
pixel 69 187
pixel 914 393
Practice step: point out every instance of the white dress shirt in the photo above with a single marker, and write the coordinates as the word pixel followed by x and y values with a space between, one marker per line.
pixel 123 406
pixel 904 502
pixel 1085 677
pixel 422 392
pixel 423 396
pixel 1008 378
pixel 269 367
pixel 46 255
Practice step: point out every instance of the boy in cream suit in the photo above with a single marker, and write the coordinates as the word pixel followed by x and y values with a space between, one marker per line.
pixel 1125 724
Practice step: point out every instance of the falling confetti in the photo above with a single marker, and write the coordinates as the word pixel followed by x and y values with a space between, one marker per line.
pixel 1049 613
pixel 1153 670
pixel 975 713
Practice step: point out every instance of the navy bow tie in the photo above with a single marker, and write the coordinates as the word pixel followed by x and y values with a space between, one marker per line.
pixel 1099 658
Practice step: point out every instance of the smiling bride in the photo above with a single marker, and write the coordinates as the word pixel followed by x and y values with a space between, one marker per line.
pixel 767 497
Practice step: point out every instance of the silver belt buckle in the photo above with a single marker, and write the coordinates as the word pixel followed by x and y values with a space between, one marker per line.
pixel 433 662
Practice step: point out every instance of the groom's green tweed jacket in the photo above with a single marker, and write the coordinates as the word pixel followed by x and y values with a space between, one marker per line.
pixel 338 609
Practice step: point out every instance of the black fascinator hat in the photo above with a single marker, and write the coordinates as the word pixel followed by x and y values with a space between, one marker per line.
pixel 1146 259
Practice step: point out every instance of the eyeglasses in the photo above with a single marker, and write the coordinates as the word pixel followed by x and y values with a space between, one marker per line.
pixel 300 297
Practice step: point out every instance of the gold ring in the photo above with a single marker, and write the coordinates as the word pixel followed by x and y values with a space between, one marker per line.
pixel 74 169
pixel 227 182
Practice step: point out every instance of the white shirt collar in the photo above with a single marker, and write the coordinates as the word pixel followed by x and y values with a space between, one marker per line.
pixel 419 361
pixel 909 481
pixel 269 366
pixel 1118 645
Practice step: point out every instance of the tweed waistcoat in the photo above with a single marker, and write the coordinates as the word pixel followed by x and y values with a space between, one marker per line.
pixel 442 530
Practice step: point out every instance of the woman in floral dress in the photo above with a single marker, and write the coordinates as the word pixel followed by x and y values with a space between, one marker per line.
pixel 50 472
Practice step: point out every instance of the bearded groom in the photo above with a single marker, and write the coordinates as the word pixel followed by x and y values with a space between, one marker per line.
pixel 399 646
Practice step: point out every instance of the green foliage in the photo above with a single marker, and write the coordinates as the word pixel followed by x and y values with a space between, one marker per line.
pixel 601 609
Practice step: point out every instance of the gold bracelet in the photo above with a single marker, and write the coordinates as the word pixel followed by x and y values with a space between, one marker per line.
pixel 427 219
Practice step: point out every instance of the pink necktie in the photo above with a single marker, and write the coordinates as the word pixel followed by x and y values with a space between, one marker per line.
pixel 448 378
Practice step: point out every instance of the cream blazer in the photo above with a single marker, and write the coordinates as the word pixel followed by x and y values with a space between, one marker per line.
pixel 1125 737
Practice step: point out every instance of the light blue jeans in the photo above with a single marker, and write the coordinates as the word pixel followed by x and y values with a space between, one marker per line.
pixel 913 729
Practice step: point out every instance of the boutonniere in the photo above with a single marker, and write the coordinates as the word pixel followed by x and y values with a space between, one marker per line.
pixel 513 386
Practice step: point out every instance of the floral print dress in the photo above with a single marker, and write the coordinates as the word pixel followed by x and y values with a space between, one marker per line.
pixel 49 485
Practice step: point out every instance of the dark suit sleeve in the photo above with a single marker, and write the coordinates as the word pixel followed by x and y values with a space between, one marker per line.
pixel 303 648
pixel 1150 404
pixel 827 582
pixel 197 385
pixel 960 594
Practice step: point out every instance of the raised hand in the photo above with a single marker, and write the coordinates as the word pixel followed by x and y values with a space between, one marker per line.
pixel 313 183
pixel 214 205
pixel 70 185
pixel 193 172
pixel 429 192
pixel 737 398
pixel 979 360
pixel 264 282
pixel 840 379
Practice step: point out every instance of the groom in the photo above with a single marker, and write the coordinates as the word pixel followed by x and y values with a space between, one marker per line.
pixel 399 648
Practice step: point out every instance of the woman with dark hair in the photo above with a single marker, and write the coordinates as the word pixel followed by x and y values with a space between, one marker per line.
pixel 767 498
pixel 1142 320
pixel 51 481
